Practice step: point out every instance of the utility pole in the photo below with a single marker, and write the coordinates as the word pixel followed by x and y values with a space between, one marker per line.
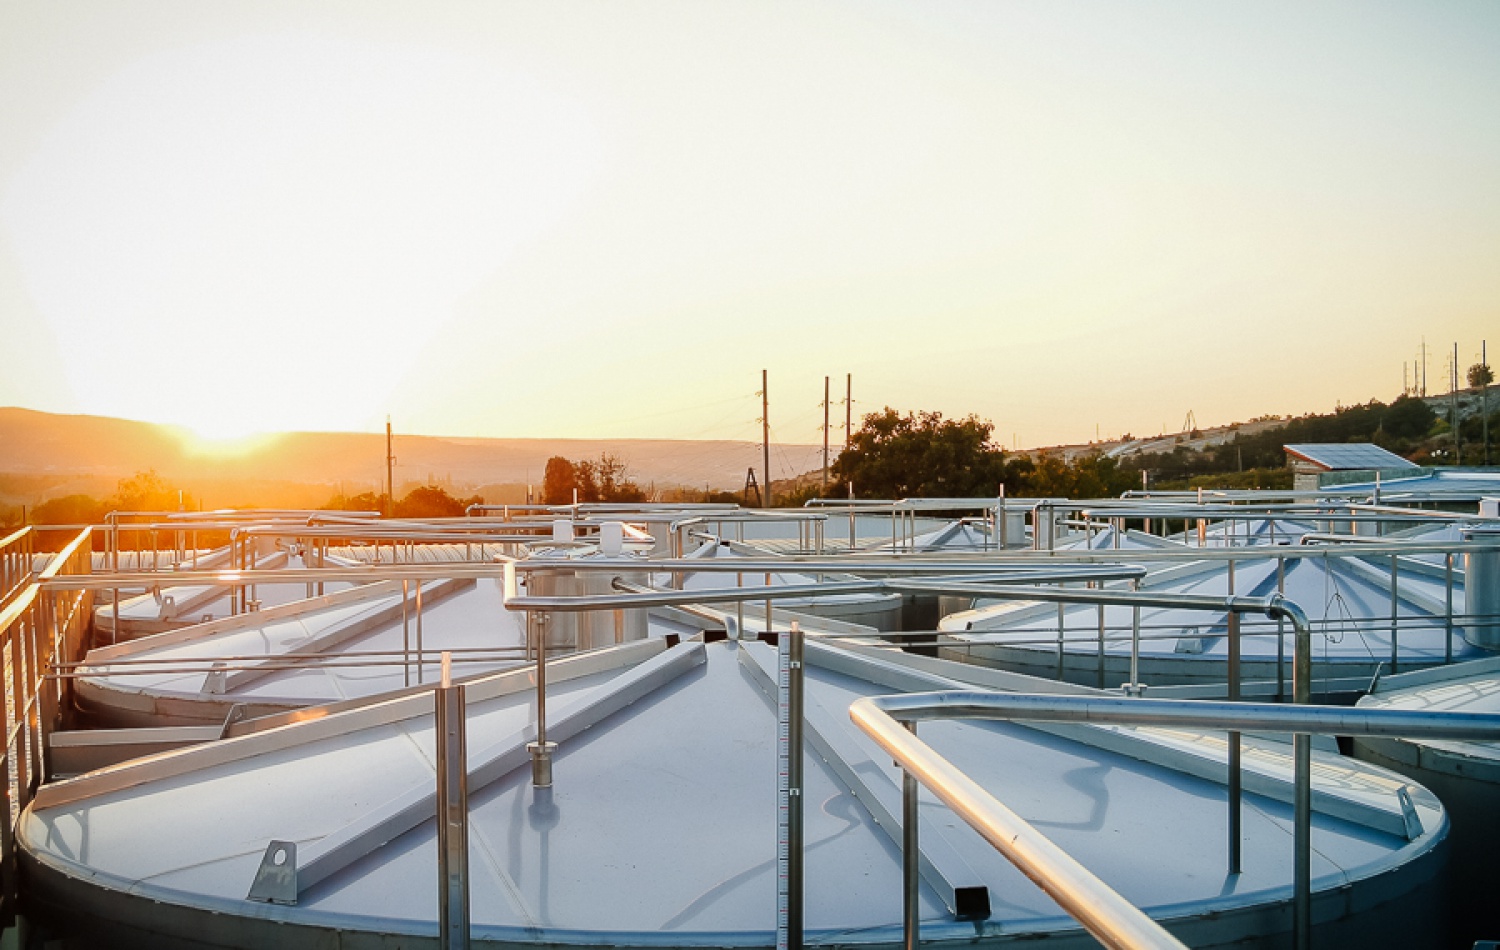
pixel 390 462
pixel 825 435
pixel 765 435
pixel 1453 395
pixel 848 409
pixel 1485 404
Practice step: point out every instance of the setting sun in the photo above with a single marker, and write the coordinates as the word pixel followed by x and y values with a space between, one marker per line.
pixel 227 440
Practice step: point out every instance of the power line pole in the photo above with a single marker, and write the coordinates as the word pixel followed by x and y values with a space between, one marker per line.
pixel 765 435
pixel 825 435
pixel 1453 398
pixel 1424 367
pixel 1485 404
pixel 390 462
pixel 848 409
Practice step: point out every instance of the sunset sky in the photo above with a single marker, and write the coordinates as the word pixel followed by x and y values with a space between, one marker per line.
pixel 605 219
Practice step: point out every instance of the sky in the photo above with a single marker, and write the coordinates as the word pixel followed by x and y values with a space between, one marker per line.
pixel 509 219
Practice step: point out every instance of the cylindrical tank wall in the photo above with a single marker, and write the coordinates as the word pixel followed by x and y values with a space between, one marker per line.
pixel 588 629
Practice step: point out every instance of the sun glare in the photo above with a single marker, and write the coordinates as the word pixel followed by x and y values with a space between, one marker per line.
pixel 227 439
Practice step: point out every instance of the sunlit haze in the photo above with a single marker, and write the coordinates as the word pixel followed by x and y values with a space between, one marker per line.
pixel 596 220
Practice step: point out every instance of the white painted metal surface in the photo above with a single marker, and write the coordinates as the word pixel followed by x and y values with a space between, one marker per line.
pixel 660 828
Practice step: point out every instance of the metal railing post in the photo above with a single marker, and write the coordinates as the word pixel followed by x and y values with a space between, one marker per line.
pixel 1099 585
pixel 1133 688
pixel 789 890
pixel 1060 624
pixel 541 750
pixel 453 812
pixel 1302 793
pixel 1232 623
pixel 1448 608
pixel 405 633
pixel 911 857
pixel 770 628
pixel 420 656
pixel 22 732
pixel 1280 632
pixel 1395 608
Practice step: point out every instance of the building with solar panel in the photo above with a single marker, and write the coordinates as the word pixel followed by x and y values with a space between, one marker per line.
pixel 1310 461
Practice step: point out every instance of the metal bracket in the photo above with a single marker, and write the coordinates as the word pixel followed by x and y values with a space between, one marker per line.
pixel 1409 813
pixel 276 878
pixel 214 683
pixel 541 762
pixel 236 713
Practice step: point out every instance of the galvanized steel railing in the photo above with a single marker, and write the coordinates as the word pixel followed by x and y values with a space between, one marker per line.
pixel 891 722
pixel 38 627
pixel 70 594
pixel 16 563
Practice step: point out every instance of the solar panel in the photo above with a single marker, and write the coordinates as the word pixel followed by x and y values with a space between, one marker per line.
pixel 1352 455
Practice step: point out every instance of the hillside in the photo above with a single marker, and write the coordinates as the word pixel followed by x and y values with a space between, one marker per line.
pixel 1468 402
pixel 43 455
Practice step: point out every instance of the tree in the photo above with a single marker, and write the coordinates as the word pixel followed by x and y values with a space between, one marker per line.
pixel 614 483
pixel 1480 374
pixel 1099 476
pixel 429 501
pixel 70 509
pixel 1050 477
pixel 559 481
pixel 364 501
pixel 1408 418
pixel 148 491
pixel 604 479
pixel 920 455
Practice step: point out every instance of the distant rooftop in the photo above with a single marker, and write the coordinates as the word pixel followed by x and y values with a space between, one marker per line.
pixel 1343 456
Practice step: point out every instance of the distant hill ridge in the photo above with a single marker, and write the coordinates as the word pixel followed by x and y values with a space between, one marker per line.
pixel 36 443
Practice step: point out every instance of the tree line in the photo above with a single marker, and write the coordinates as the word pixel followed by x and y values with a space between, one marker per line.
pixel 923 455
pixel 605 479
pixel 150 492
pixel 913 455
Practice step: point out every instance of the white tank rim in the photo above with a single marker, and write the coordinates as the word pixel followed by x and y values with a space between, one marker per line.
pixel 1201 926
pixel 1265 896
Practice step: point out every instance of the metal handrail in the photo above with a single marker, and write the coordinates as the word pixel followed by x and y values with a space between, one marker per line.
pixel 888 564
pixel 1014 571
pixel 1092 903
pixel 16 554
pixel 35 626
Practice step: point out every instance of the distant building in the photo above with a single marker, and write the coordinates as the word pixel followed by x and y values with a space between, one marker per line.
pixel 1310 460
